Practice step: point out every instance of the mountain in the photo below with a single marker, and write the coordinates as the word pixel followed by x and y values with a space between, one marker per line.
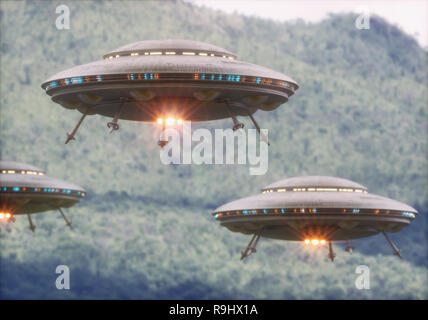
pixel 145 229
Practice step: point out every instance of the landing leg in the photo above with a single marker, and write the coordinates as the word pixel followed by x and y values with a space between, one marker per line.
pixel 396 250
pixel 251 248
pixel 236 124
pixel 113 125
pixel 32 226
pixel 68 223
pixel 331 254
pixel 162 141
pixel 265 139
pixel 70 136
pixel 349 248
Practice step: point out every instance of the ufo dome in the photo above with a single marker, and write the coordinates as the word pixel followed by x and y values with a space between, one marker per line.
pixel 177 46
pixel 19 167
pixel 314 183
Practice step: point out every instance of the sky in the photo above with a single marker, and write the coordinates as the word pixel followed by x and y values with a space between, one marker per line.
pixel 411 16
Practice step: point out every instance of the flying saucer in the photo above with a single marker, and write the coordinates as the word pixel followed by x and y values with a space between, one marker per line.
pixel 316 210
pixel 178 80
pixel 25 189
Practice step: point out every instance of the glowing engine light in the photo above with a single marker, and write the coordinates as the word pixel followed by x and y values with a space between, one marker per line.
pixel 315 242
pixel 170 121
pixel 160 121
pixel 179 121
pixel 307 241
pixel 1 215
pixel 7 215
pixel 322 241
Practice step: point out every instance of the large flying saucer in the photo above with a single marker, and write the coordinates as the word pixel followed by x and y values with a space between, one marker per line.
pixel 179 80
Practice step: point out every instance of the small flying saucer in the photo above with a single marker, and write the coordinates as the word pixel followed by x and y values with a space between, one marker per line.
pixel 26 189
pixel 315 210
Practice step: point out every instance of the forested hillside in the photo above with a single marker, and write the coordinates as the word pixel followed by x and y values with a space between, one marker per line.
pixel 145 230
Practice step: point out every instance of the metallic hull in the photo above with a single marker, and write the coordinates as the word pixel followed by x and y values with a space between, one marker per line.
pixel 332 227
pixel 35 203
pixel 175 100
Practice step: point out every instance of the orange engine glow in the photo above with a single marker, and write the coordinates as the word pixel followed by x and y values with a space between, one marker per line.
pixel 315 242
pixel 169 121
pixel 5 215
